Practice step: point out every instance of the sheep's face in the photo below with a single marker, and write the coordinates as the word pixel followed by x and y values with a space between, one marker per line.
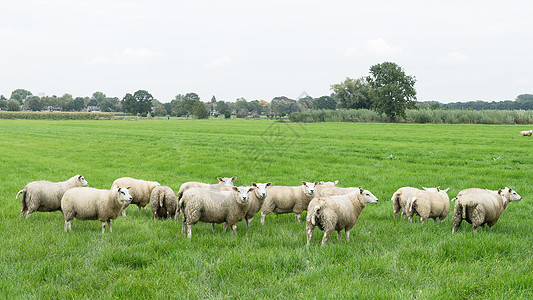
pixel 368 196
pixel 309 187
pixel 124 194
pixel 243 193
pixel 226 180
pixel 261 189
pixel 81 180
pixel 511 195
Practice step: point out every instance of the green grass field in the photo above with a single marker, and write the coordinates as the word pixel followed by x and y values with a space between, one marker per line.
pixel 386 257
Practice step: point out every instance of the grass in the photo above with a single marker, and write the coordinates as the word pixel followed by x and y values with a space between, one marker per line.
pixel 386 257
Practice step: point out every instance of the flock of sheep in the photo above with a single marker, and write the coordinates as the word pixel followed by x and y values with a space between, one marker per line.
pixel 329 207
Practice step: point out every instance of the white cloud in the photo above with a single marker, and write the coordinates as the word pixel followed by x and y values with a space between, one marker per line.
pixel 127 56
pixel 454 57
pixel 380 47
pixel 220 62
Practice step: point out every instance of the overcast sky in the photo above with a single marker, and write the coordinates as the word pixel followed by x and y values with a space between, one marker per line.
pixel 457 50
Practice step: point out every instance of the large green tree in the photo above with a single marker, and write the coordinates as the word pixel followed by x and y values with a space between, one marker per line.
pixel 20 95
pixel 391 89
pixel 144 100
pixel 353 93
pixel 324 102
pixel 129 104
pixel 13 105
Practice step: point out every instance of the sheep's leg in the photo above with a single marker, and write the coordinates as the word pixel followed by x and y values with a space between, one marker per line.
pixel 310 229
pixel 22 213
pixel 109 225
pixel 327 233
pixel 248 221
pixel 234 228
pixel 263 215
pixel 213 228
pixel 183 227
pixel 224 227
pixel 67 225
pixel 124 212
pixel 189 230
pixel 474 228
pixel 103 227
pixel 338 235
pixel 347 235
pixel 298 217
pixel 140 208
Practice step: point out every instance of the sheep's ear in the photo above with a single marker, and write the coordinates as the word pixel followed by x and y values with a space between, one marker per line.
pixel 335 182
pixel 254 184
pixel 233 178
pixel 316 182
pixel 269 184
pixel 360 190
pixel 250 189
pixel 510 190
pixel 446 190
pixel 80 177
pixel 235 189
pixel 219 178
pixel 322 182
pixel 499 191
pixel 438 188
pixel 303 182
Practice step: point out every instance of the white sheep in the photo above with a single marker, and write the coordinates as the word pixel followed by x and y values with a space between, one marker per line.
pixel 431 203
pixel 84 203
pixel 335 213
pixel 163 202
pixel 257 198
pixel 479 207
pixel 400 200
pixel 225 183
pixel 210 206
pixel 288 199
pixel 140 190
pixel 324 185
pixel 45 195
pixel 526 133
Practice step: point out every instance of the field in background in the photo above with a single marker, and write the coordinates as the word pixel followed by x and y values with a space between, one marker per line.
pixel 145 258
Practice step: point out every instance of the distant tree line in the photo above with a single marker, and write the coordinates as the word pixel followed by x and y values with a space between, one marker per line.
pixel 387 90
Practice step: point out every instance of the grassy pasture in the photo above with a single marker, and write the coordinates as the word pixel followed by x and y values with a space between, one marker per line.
pixel 386 258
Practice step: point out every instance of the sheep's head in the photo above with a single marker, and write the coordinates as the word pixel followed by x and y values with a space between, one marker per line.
pixel 81 180
pixel 329 183
pixel 261 189
pixel 243 193
pixel 368 197
pixel 124 194
pixel 510 194
pixel 226 180
pixel 309 187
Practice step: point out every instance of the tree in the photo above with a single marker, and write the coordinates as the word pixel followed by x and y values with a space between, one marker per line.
pixel 3 103
pixel 221 107
pixel 20 95
pixel 199 110
pixel 393 91
pixel 96 99
pixel 109 104
pixel 129 104
pixel 144 102
pixel 13 105
pixel 34 103
pixel 324 102
pixel 213 99
pixel 353 93
pixel 77 104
